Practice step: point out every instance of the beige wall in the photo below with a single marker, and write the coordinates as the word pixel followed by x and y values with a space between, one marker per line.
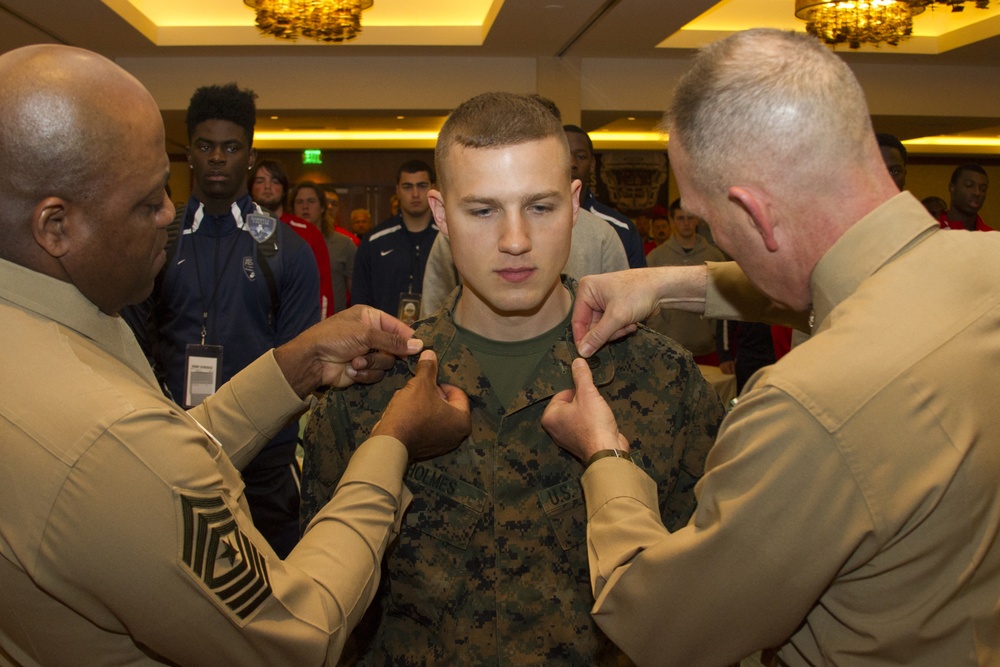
pixel 345 83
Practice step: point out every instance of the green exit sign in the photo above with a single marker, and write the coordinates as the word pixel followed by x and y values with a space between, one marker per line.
pixel 312 156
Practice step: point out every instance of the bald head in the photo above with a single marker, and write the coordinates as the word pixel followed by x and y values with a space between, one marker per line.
pixel 63 115
pixel 768 104
pixel 82 172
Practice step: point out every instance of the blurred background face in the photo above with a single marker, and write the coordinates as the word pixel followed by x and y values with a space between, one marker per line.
pixel 661 230
pixel 644 225
pixel 968 194
pixel 935 206
pixel 266 190
pixel 894 163
pixel 361 222
pixel 333 206
pixel 412 191
pixel 684 224
pixel 309 205
pixel 581 160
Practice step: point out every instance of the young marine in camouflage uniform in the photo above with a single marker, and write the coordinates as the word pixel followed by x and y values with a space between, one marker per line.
pixel 491 563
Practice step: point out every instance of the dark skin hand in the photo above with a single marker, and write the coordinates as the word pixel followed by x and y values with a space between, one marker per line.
pixel 429 419
pixel 355 345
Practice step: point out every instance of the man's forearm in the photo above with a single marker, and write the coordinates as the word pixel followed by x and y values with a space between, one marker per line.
pixel 729 295
pixel 682 287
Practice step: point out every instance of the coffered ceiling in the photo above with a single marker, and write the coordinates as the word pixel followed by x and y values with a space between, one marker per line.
pixel 609 64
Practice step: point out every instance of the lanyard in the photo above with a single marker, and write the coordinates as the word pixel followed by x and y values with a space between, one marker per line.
pixel 415 258
pixel 199 216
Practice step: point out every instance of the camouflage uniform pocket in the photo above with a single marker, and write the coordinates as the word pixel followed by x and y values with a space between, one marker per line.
pixel 566 511
pixel 430 566
pixel 443 506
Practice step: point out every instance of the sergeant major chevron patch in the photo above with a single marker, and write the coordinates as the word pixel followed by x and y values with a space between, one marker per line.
pixel 224 560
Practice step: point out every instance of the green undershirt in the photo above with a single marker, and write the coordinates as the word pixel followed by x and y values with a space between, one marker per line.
pixel 510 365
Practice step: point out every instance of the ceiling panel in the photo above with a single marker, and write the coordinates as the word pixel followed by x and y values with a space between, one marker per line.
pixel 571 32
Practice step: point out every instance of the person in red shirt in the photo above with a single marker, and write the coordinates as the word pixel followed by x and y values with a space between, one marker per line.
pixel 268 187
pixel 310 201
pixel 333 218
pixel 969 183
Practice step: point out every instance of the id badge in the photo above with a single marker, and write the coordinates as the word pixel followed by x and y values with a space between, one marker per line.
pixel 203 365
pixel 409 307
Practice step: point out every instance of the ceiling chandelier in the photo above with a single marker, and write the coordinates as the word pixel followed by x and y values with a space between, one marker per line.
pixel 322 20
pixel 857 22
pixel 957 5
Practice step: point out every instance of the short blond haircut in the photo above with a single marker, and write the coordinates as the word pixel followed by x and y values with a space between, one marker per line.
pixel 495 120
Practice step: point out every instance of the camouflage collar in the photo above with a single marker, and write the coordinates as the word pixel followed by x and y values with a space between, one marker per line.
pixel 457 366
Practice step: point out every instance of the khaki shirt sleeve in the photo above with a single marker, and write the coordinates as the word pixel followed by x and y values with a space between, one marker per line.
pixel 361 519
pixel 731 296
pixel 250 409
pixel 166 556
pixel 757 554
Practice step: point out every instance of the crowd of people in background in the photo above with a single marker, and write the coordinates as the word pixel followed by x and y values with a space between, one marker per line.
pixel 387 260
pixel 383 265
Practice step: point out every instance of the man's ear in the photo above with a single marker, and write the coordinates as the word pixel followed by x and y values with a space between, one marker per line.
pixel 575 188
pixel 751 201
pixel 253 159
pixel 51 227
pixel 436 201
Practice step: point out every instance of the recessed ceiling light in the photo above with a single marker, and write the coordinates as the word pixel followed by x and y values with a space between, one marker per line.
pixel 274 117
pixel 400 117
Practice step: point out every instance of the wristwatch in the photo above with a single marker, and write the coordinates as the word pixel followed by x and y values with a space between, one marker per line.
pixel 605 453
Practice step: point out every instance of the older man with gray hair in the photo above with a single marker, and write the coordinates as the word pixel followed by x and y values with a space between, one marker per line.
pixel 850 509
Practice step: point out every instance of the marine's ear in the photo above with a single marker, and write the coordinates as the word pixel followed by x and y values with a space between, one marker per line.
pixel 750 200
pixel 575 189
pixel 436 201
pixel 51 226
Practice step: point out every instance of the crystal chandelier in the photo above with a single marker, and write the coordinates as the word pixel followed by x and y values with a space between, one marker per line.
pixel 322 20
pixel 956 5
pixel 857 22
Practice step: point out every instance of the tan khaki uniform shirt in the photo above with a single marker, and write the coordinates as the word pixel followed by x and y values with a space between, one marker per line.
pixel 851 504
pixel 124 535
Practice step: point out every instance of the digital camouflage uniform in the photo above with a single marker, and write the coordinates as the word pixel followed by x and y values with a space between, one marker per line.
pixel 491 563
